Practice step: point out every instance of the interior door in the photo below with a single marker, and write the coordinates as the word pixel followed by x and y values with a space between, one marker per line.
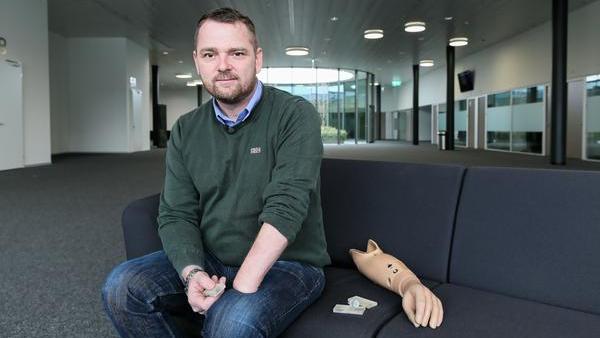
pixel 137 132
pixel 11 115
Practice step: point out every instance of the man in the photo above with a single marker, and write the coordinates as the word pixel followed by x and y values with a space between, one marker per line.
pixel 240 205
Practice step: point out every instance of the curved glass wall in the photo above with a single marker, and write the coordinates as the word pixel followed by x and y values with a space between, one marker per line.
pixel 592 118
pixel 341 96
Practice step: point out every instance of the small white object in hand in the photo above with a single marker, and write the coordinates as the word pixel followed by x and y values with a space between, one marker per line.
pixel 357 301
pixel 217 290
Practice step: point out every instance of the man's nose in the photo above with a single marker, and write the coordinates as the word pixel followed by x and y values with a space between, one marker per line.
pixel 224 63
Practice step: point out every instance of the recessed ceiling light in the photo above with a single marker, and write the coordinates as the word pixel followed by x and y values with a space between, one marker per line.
pixel 373 34
pixel 297 51
pixel 327 39
pixel 421 38
pixel 426 63
pixel 396 83
pixel 414 26
pixel 183 76
pixel 180 61
pixel 459 42
pixel 334 18
pixel 302 75
pixel 448 18
pixel 165 53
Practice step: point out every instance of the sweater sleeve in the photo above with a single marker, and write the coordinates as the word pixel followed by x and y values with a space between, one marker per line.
pixel 295 174
pixel 179 209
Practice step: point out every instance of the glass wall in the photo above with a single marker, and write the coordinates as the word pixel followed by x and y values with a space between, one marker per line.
pixel 441 118
pixel 361 96
pixel 515 120
pixel 592 118
pixel 497 118
pixel 341 97
pixel 461 122
pixel 528 119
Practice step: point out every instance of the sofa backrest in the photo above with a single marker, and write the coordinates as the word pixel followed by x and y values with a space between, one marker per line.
pixel 530 233
pixel 408 209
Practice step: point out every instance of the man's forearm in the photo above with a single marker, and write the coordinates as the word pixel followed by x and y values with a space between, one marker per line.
pixel 267 248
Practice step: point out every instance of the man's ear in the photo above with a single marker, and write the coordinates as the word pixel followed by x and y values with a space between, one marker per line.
pixel 259 59
pixel 195 57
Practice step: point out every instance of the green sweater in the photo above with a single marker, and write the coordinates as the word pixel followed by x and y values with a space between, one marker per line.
pixel 221 184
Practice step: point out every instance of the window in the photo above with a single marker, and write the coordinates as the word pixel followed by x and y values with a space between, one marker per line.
pixel 592 118
pixel 340 97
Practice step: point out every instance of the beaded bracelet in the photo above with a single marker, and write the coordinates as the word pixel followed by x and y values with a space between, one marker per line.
pixel 186 282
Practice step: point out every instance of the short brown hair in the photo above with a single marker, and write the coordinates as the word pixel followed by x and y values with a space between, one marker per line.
pixel 226 15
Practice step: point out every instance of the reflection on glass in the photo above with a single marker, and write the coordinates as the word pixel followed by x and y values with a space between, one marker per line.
pixel 528 119
pixel 441 117
pixel 498 114
pixel 460 123
pixel 361 92
pixel 403 124
pixel 592 118
pixel 333 93
pixel 348 112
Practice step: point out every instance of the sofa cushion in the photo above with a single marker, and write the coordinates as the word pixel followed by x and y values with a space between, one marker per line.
pixel 319 320
pixel 140 229
pixel 530 233
pixel 408 209
pixel 472 313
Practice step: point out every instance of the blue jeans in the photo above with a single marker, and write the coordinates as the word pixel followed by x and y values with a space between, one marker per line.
pixel 144 297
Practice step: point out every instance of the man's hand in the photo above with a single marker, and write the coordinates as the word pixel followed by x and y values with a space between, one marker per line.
pixel 198 283
pixel 422 307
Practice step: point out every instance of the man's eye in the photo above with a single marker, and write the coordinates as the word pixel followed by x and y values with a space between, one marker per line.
pixel 207 55
pixel 239 54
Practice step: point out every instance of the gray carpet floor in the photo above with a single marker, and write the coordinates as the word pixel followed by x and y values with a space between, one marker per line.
pixel 60 236
pixel 60 231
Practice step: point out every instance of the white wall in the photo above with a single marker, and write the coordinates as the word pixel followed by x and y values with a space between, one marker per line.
pixel 24 25
pixel 91 99
pixel 180 101
pixel 59 86
pixel 517 62
pixel 97 95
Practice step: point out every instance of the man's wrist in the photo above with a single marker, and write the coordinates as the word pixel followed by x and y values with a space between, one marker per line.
pixel 189 276
pixel 186 271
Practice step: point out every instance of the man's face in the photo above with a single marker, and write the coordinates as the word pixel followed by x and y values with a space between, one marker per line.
pixel 226 60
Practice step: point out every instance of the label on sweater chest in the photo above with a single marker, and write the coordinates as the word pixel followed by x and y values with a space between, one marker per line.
pixel 255 150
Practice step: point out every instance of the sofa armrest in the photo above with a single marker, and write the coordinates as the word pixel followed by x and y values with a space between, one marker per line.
pixel 140 229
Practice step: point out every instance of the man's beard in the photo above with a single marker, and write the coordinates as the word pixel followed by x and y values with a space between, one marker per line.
pixel 231 95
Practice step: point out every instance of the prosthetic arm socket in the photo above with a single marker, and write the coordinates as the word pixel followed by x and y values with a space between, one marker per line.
pixel 383 269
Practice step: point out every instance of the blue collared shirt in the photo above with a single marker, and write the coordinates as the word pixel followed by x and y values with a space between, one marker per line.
pixel 243 115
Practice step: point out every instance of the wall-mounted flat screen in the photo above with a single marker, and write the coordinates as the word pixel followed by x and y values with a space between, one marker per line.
pixel 466 80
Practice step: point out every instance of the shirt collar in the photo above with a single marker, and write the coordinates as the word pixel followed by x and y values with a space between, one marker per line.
pixel 243 115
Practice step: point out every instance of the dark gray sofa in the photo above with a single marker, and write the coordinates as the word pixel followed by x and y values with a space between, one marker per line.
pixel 510 252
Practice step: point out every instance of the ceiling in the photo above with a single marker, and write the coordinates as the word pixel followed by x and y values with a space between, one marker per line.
pixel 168 25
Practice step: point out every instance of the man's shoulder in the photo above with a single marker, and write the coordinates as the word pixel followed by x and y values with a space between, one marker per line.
pixel 194 117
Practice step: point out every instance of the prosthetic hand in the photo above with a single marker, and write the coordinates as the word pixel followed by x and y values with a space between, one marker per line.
pixel 421 306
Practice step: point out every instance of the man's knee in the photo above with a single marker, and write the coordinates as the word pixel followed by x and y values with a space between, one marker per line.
pixel 123 289
pixel 236 316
